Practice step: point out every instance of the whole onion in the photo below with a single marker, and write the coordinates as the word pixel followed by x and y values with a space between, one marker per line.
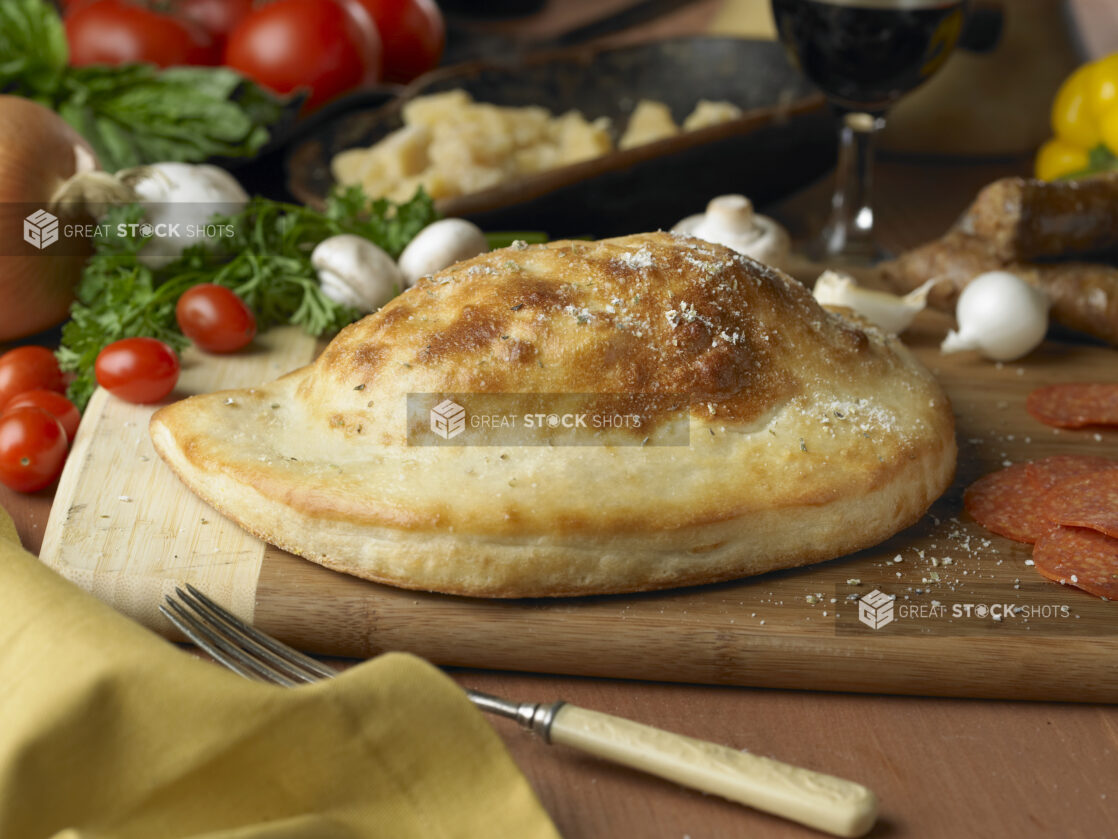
pixel 39 154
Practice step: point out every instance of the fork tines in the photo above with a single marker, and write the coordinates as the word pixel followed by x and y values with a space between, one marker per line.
pixel 238 645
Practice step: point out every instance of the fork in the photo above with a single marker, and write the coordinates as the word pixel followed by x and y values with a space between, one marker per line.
pixel 824 802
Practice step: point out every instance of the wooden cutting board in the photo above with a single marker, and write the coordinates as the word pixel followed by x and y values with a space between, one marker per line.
pixel 123 527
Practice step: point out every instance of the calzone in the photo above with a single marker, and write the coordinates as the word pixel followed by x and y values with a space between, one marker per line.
pixel 729 426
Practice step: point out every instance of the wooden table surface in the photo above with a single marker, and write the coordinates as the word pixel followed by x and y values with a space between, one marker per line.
pixel 942 767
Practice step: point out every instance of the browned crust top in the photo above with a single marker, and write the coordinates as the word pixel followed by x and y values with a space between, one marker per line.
pixel 657 315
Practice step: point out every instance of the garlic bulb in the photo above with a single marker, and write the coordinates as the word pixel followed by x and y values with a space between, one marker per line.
pixel 886 311
pixel 355 272
pixel 179 201
pixel 1000 315
pixel 730 221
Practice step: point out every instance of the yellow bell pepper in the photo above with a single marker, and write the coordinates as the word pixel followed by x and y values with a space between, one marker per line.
pixel 1085 123
pixel 1102 84
pixel 1057 158
pixel 1108 129
pixel 1073 119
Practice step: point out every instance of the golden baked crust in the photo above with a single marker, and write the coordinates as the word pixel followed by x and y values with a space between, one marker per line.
pixel 809 437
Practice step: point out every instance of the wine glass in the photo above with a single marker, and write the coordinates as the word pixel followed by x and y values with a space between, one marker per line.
pixel 864 55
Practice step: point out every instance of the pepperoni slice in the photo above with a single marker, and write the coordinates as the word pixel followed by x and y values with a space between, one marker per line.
pixel 1050 471
pixel 1089 500
pixel 1075 405
pixel 1079 557
pixel 1009 503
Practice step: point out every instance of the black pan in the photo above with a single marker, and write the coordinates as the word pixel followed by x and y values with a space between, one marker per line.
pixel 784 139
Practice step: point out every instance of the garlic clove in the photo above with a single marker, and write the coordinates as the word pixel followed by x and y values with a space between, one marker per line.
pixel 999 315
pixel 958 342
pixel 917 299
pixel 888 312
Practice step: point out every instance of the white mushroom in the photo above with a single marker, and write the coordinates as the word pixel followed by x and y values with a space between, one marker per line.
pixel 355 272
pixel 439 246
pixel 1000 315
pixel 886 311
pixel 730 221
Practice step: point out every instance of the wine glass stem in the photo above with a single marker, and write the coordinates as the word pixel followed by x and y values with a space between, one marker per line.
pixel 849 233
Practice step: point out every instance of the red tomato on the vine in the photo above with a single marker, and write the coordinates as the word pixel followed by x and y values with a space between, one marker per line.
pixel 28 368
pixel 413 33
pixel 327 46
pixel 33 449
pixel 215 319
pixel 120 32
pixel 217 17
pixel 141 370
pixel 55 404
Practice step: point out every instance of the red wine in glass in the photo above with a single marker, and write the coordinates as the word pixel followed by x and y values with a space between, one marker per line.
pixel 864 55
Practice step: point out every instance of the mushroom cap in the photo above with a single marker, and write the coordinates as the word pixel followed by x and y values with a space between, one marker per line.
pixel 356 272
pixel 729 220
pixel 439 245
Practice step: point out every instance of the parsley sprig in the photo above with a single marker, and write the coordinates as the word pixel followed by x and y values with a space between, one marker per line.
pixel 266 262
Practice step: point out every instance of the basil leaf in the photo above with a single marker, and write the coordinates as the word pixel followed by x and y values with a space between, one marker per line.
pixel 184 114
pixel 33 51
pixel 134 113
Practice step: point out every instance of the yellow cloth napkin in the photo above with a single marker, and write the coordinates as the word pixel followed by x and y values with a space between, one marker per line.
pixel 108 731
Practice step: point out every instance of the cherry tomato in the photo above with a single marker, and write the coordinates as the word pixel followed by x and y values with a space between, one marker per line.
pixel 32 449
pixel 28 368
pixel 119 32
pixel 215 318
pixel 55 404
pixel 141 370
pixel 413 34
pixel 328 46
pixel 217 17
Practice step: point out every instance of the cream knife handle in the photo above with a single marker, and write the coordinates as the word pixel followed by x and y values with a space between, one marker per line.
pixel 820 801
